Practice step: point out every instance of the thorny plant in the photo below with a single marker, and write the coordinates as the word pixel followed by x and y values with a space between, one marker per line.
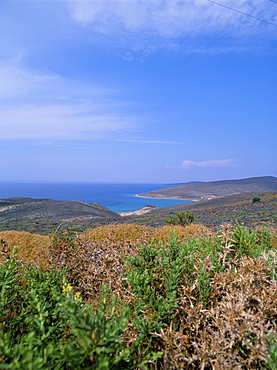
pixel 46 325
pixel 192 302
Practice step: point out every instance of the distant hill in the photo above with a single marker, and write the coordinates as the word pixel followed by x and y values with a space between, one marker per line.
pixel 215 189
pixel 185 183
pixel 230 209
pixel 26 209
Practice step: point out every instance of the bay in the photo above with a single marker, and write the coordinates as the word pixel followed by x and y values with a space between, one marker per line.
pixel 118 197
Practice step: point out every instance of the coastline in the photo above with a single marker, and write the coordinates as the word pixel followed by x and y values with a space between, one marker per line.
pixel 139 212
pixel 190 200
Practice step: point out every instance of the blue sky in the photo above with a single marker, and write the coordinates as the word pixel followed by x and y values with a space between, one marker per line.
pixel 147 91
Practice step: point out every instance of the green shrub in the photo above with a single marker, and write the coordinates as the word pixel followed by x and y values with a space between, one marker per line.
pixel 182 218
pixel 45 325
pixel 154 274
pixel 256 199
pixel 272 359
pixel 250 242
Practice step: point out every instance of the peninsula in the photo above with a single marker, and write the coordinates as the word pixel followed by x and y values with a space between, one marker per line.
pixel 215 189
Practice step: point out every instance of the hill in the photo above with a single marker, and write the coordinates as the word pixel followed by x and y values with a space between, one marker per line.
pixel 27 209
pixel 215 189
pixel 229 209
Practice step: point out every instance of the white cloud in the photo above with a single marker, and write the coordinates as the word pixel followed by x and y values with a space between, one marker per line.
pixel 211 163
pixel 150 141
pixel 45 106
pixel 172 18
pixel 16 81
pixel 63 122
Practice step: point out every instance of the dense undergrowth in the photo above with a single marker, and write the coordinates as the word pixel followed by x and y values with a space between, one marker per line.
pixel 133 297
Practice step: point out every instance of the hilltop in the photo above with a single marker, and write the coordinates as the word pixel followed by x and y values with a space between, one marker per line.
pixel 28 210
pixel 229 209
pixel 215 189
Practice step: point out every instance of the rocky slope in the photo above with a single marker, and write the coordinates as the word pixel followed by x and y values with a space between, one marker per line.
pixel 215 212
pixel 215 189
pixel 26 209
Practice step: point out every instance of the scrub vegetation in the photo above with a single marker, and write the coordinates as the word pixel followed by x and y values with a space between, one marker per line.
pixel 181 218
pixel 134 297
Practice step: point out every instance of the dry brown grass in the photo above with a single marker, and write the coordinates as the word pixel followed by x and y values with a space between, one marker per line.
pixel 269 197
pixel 91 265
pixel 31 247
pixel 182 232
pixel 232 332
pixel 123 233
pixel 274 241
pixel 129 233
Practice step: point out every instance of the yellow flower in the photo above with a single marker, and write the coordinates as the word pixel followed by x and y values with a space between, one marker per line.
pixel 67 288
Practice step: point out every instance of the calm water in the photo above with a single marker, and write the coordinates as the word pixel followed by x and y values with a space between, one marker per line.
pixel 116 197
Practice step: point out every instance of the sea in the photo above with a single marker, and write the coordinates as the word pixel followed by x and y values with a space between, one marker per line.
pixel 116 197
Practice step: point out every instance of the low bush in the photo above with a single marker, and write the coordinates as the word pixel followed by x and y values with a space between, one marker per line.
pixel 45 325
pixel 184 302
pixel 181 218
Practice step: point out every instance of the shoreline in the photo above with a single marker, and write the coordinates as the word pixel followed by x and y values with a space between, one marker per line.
pixel 139 212
pixel 190 200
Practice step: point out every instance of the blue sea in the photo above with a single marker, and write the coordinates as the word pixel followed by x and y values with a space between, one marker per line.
pixel 116 197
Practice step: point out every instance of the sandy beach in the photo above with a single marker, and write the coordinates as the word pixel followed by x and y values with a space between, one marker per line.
pixel 190 200
pixel 138 212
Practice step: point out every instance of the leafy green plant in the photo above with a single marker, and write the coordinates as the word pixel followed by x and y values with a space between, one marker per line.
pixel 249 242
pixel 9 274
pixel 256 199
pixel 272 359
pixel 45 325
pixel 76 229
pixel 204 284
pixel 96 336
pixel 31 328
pixel 181 218
pixel 154 274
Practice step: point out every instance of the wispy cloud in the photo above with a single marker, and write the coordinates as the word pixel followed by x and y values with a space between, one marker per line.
pixel 58 122
pixel 18 82
pixel 151 141
pixel 44 106
pixel 171 18
pixel 210 163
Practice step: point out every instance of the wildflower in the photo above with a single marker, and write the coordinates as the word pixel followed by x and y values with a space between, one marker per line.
pixel 67 288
